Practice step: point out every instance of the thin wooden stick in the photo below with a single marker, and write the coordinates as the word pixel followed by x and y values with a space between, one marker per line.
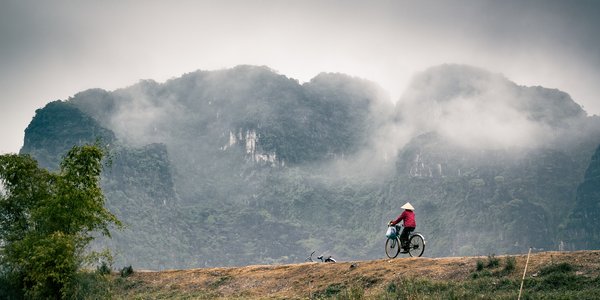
pixel 524 271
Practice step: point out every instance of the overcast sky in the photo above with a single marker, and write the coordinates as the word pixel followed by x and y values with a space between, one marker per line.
pixel 51 50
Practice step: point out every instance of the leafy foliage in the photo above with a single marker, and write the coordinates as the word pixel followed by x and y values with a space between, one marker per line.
pixel 47 219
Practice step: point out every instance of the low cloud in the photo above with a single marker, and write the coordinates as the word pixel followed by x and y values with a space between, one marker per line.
pixel 142 119
pixel 477 109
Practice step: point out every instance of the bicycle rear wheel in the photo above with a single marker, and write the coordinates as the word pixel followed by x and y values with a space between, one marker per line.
pixel 392 247
pixel 417 245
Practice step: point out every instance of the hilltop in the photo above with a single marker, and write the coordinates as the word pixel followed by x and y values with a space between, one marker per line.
pixel 571 274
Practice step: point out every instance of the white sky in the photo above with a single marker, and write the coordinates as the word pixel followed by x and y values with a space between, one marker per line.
pixel 53 49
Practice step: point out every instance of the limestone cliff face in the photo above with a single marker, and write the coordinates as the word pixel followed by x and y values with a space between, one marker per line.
pixel 250 140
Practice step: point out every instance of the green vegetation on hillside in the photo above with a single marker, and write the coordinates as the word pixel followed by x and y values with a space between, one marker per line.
pixel 58 127
pixel 582 226
pixel 247 166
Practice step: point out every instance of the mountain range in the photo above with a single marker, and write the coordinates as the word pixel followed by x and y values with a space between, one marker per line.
pixel 247 166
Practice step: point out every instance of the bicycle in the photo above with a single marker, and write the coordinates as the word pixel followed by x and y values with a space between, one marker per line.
pixel 328 259
pixel 416 244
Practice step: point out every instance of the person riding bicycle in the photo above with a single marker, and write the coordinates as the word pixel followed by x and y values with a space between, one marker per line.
pixel 408 216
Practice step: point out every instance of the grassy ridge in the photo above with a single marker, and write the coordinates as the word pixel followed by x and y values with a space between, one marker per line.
pixel 550 275
pixel 553 282
pixel 490 280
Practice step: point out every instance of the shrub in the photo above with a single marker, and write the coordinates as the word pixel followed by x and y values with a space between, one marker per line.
pixel 103 269
pixel 493 261
pixel 510 265
pixel 480 265
pixel 391 288
pixel 126 271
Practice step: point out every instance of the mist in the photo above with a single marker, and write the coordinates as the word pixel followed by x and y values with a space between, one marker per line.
pixel 140 118
pixel 477 109
pixel 471 107
pixel 53 50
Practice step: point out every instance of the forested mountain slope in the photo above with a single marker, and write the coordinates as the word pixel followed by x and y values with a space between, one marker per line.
pixel 582 226
pixel 245 165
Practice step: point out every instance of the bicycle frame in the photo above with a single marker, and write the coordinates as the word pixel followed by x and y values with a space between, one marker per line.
pixel 399 229
pixel 415 248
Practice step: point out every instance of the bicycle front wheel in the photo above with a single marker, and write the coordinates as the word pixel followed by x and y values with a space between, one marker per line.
pixel 417 245
pixel 392 247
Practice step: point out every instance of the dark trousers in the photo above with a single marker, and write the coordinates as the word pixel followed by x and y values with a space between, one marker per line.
pixel 404 236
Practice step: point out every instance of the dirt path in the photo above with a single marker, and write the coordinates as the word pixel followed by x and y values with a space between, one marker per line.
pixel 302 280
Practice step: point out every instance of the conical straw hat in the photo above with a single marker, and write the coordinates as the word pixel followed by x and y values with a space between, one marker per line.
pixel 407 206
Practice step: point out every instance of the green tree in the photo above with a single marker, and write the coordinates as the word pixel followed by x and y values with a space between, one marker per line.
pixel 47 220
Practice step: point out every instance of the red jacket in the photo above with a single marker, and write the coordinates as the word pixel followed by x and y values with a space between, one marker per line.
pixel 409 219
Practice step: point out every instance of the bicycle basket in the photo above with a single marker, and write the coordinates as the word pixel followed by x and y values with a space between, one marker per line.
pixel 391 232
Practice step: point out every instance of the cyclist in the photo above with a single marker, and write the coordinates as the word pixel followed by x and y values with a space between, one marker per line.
pixel 408 216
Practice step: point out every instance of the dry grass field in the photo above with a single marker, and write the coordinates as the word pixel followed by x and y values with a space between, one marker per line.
pixel 321 280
